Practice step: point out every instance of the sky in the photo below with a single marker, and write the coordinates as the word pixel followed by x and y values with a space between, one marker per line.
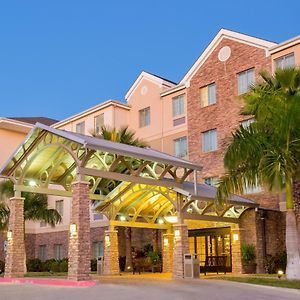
pixel 59 57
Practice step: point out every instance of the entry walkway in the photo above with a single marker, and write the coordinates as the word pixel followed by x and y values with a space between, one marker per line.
pixel 151 289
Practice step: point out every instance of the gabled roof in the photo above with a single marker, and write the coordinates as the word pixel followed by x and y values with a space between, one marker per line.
pixel 154 78
pixel 92 110
pixel 286 44
pixel 229 34
pixel 33 120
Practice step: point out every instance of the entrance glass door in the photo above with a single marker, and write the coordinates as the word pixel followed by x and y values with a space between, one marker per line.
pixel 211 242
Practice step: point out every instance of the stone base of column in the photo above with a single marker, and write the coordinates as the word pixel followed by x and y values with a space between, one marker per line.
pixel 15 256
pixel 181 247
pixel 79 265
pixel 167 252
pixel 236 251
pixel 111 253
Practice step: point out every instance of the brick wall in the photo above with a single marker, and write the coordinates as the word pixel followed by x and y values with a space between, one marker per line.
pixel 225 114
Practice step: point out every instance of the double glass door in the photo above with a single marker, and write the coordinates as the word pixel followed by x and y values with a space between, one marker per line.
pixel 211 242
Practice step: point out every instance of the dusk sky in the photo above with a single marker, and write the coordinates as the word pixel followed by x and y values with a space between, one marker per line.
pixel 59 57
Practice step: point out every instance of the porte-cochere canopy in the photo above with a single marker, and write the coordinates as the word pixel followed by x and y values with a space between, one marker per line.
pixel 132 186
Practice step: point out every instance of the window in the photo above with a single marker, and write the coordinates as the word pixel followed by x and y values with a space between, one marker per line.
pixel 58 251
pixel 80 127
pixel 99 122
pixel 97 249
pixel 180 147
pixel 247 123
pixel 245 79
pixel 42 252
pixel 213 181
pixel 59 206
pixel 144 117
pixel 178 105
pixel 209 140
pixel 208 95
pixel 285 61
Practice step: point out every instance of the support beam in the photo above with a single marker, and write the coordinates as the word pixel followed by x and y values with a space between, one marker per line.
pixel 140 225
pixel 15 257
pixel 128 178
pixel 199 217
pixel 54 192
pixel 79 235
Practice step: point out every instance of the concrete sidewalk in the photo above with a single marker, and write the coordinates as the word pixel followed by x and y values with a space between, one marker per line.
pixel 149 289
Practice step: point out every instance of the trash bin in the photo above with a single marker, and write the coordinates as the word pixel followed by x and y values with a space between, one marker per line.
pixel 100 265
pixel 191 266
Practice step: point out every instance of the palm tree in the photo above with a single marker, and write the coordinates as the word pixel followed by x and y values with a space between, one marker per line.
pixel 124 136
pixel 268 151
pixel 35 208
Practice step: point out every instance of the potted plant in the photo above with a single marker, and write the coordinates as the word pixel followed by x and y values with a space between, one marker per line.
pixel 248 258
pixel 155 257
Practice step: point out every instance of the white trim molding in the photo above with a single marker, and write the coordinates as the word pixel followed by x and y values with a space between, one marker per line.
pixel 232 35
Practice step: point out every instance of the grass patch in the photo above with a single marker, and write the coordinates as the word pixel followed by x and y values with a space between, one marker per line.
pixel 270 280
pixel 46 274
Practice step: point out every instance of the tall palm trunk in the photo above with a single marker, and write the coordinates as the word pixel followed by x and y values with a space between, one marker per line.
pixel 296 197
pixel 292 249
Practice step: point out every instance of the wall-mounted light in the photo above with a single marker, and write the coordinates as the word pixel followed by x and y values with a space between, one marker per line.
pixel 9 235
pixel 235 236
pixel 73 229
pixel 107 240
pixel 122 218
pixel 166 242
pixel 32 183
pixel 160 221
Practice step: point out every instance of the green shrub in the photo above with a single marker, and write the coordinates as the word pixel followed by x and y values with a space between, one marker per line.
pixel 34 265
pixel 64 265
pixel 2 266
pixel 275 263
pixel 248 253
pixel 122 263
pixel 47 265
pixel 94 265
pixel 55 266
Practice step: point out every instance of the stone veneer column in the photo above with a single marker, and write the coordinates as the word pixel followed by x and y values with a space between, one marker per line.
pixel 181 247
pixel 80 242
pixel 167 252
pixel 15 256
pixel 236 251
pixel 111 253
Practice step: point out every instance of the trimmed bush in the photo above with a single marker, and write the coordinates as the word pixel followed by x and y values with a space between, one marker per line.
pixel 34 265
pixel 2 266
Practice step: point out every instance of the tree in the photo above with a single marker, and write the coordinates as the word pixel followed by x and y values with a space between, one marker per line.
pixel 35 208
pixel 268 151
pixel 124 136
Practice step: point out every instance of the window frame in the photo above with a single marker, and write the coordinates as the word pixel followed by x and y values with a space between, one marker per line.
pixel 142 116
pixel 245 72
pixel 181 106
pixel 210 148
pixel 82 123
pixel 283 58
pixel 207 87
pixel 60 201
pixel 186 145
pixel 60 252
pixel 96 125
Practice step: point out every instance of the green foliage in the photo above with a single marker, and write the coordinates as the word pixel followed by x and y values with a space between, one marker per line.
pixel 268 152
pixel 275 263
pixel 35 206
pixel 2 266
pixel 248 253
pixel 93 265
pixel 50 265
pixel 155 257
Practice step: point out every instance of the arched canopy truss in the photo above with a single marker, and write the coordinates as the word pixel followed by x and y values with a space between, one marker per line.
pixel 132 186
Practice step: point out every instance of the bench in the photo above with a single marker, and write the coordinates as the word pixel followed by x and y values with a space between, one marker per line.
pixel 215 264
